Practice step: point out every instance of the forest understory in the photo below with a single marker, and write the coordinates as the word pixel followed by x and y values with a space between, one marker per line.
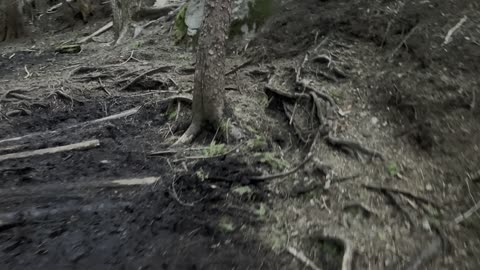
pixel 361 149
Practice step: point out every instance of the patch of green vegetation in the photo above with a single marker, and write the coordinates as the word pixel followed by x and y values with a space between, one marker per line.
pixel 180 26
pixel 172 115
pixel 258 143
pixel 392 168
pixel 258 13
pixel 261 211
pixel 201 175
pixel 242 190
pixel 270 159
pixel 226 225
pixel 215 149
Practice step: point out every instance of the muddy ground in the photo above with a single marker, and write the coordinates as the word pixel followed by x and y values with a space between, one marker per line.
pixel 399 90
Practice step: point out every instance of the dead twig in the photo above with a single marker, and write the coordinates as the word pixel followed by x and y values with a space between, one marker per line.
pixel 234 149
pixel 462 217
pixel 404 40
pixel 175 196
pixel 147 73
pixel 237 68
pixel 284 174
pixel 54 189
pixel 100 31
pixel 448 37
pixel 84 124
pixel 301 257
pixel 77 146
pixel 28 73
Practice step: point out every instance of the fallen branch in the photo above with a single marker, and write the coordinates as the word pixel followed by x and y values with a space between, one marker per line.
pixel 355 146
pixel 54 189
pixel 147 73
pixel 404 193
pixel 237 68
pixel 404 40
pixel 301 257
pixel 211 157
pixel 84 124
pixel 100 31
pixel 448 37
pixel 77 146
pixel 13 219
pixel 462 217
pixel 284 174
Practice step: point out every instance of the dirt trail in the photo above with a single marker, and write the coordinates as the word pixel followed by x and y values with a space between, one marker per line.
pixel 199 208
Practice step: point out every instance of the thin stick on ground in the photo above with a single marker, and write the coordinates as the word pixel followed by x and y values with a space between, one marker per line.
pixel 54 189
pixel 100 31
pixel 403 42
pixel 301 257
pixel 448 37
pixel 284 174
pixel 462 217
pixel 237 68
pixel 84 124
pixel 147 73
pixel 52 150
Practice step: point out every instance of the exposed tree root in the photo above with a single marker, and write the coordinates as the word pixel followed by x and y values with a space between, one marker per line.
pixel 404 193
pixel 147 73
pixel 284 174
pixel 355 146
pixel 187 137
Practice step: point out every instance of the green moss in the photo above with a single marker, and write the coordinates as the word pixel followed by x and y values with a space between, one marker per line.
pixel 270 159
pixel 181 27
pixel 258 13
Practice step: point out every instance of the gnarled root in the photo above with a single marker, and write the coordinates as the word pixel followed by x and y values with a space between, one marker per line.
pixel 190 134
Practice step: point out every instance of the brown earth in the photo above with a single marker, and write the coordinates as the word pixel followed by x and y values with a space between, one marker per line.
pixel 410 97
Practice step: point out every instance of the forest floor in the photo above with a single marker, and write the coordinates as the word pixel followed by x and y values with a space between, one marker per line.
pixel 401 96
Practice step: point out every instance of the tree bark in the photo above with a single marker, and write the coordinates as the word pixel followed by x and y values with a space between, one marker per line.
pixel 123 12
pixel 208 94
pixel 12 25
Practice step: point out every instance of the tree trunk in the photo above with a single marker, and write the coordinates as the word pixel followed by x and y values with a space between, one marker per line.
pixel 208 94
pixel 11 27
pixel 123 12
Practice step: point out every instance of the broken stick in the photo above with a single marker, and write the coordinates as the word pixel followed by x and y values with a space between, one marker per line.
pixel 100 31
pixel 63 188
pixel 84 124
pixel 77 146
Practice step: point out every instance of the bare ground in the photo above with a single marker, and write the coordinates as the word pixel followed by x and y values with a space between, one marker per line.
pixel 407 96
